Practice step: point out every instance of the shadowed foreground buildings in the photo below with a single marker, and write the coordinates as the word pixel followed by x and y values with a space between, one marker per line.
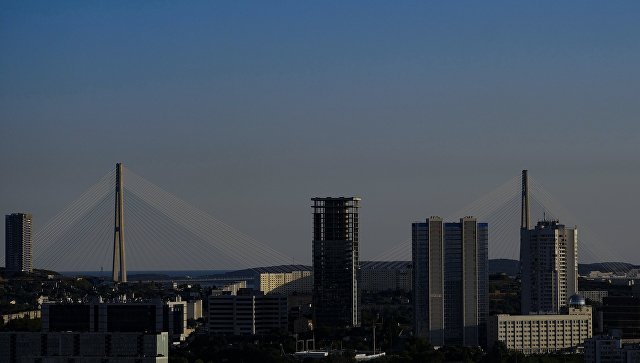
pixel 621 315
pixel 610 349
pixel 249 312
pixel 18 242
pixel 450 281
pixel 151 317
pixel 86 347
pixel 336 296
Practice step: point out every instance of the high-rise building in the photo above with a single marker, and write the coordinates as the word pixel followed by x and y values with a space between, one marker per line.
pixel 336 297
pixel 548 262
pixel 450 281
pixel 18 242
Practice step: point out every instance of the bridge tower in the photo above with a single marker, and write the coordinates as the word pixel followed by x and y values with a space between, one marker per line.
pixel 524 215
pixel 119 260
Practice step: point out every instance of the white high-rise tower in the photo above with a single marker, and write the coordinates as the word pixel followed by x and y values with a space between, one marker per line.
pixel 548 262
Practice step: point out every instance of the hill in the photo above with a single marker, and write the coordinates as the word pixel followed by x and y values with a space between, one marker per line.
pixel 511 267
pixel 504 265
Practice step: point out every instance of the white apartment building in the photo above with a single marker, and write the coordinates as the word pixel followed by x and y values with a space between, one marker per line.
pixel 285 283
pixel 540 334
pixel 549 262
pixel 194 309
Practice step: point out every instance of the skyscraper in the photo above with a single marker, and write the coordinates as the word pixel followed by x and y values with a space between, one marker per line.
pixel 450 267
pixel 548 261
pixel 18 240
pixel 336 297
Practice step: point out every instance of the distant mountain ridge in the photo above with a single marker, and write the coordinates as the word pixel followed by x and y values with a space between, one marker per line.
pixel 617 267
pixel 504 265
pixel 511 267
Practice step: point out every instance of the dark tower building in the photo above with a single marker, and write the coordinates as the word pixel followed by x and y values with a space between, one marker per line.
pixel 451 281
pixel 18 241
pixel 336 298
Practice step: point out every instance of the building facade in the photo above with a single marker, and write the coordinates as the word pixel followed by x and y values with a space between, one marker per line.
pixel 594 295
pixel 285 283
pixel 541 334
pixel 609 349
pixel 450 281
pixel 248 313
pixel 30 314
pixel 18 242
pixel 86 347
pixel 336 295
pixel 621 314
pixel 194 309
pixel 549 263
pixel 378 276
pixel 132 317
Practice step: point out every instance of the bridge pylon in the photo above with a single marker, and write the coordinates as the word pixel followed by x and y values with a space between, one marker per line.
pixel 119 257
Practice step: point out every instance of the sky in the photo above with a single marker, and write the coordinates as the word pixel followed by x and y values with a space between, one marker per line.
pixel 247 109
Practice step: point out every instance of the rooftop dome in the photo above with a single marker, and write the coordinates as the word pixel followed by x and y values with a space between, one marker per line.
pixel 577 300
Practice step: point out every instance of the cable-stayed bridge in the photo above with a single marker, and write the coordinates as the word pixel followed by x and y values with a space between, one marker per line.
pixel 163 232
pixel 502 209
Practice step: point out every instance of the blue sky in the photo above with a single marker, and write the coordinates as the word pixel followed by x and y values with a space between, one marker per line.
pixel 246 108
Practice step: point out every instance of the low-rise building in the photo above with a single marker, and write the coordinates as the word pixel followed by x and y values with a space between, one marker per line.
pixel 31 314
pixel 540 334
pixel 85 347
pixel 285 283
pixel 280 279
pixel 248 313
pixel 230 288
pixel 194 309
pixel 610 349
pixel 594 295
pixel 152 316
pixel 621 313
pixel 378 276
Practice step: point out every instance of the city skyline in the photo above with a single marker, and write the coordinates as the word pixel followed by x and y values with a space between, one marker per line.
pixel 231 106
pixel 331 181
